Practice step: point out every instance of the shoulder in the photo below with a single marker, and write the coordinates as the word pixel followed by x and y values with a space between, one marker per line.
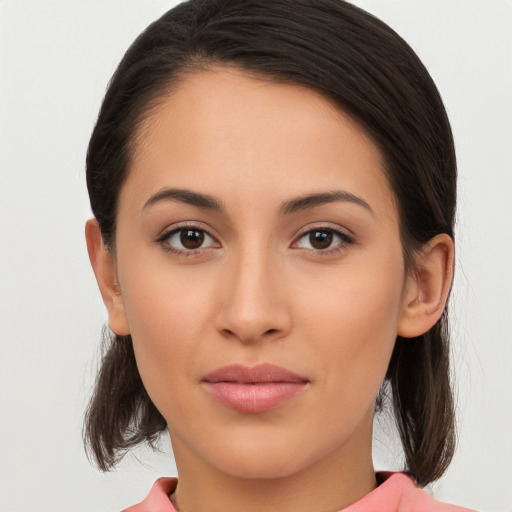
pixel 158 498
pixel 399 493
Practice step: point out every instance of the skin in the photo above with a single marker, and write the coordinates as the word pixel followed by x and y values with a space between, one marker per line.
pixel 258 290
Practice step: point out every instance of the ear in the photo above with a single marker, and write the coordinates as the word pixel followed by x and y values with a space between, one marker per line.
pixel 104 268
pixel 427 289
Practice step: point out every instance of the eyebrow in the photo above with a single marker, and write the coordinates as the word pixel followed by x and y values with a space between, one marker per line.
pixel 312 200
pixel 294 205
pixel 204 201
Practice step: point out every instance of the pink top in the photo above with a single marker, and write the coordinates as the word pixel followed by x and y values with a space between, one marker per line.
pixel 397 493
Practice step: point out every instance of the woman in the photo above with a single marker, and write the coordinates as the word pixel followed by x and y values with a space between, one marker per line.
pixel 273 185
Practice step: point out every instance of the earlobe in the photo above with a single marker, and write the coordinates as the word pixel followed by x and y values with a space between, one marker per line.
pixel 428 288
pixel 104 269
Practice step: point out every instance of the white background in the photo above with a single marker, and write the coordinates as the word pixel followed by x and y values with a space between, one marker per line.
pixel 56 58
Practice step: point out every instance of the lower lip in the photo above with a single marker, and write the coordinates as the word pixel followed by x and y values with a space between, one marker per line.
pixel 254 398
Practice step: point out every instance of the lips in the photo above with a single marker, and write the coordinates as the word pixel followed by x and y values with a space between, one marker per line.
pixel 254 389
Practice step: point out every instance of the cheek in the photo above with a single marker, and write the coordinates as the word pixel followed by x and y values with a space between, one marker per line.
pixel 353 324
pixel 169 318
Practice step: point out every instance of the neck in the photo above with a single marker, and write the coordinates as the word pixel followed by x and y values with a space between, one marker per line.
pixel 328 485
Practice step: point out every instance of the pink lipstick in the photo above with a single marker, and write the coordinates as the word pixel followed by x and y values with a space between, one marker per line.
pixel 254 389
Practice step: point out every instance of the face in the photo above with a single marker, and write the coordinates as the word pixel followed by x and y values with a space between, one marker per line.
pixel 260 268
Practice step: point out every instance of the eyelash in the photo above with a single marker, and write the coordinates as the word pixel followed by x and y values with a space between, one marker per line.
pixel 187 253
pixel 344 240
pixel 163 240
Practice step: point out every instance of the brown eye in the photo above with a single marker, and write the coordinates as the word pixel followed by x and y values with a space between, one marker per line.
pixel 321 239
pixel 187 240
pixel 191 238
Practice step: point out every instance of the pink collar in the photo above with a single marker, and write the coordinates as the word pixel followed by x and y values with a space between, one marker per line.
pixel 396 493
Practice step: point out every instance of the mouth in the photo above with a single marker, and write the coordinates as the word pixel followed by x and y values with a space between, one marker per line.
pixel 254 389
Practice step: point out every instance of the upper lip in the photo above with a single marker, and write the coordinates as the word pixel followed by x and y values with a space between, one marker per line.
pixel 261 373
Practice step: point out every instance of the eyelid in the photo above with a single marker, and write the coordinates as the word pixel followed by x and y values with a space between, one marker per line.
pixel 346 239
pixel 176 228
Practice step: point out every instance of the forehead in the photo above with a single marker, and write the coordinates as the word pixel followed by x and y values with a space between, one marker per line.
pixel 222 130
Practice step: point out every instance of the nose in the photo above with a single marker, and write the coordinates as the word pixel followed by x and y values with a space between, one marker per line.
pixel 252 301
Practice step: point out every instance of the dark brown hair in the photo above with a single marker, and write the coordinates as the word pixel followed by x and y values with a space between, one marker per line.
pixel 364 67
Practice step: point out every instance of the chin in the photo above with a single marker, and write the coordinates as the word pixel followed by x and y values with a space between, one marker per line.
pixel 261 468
pixel 263 461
